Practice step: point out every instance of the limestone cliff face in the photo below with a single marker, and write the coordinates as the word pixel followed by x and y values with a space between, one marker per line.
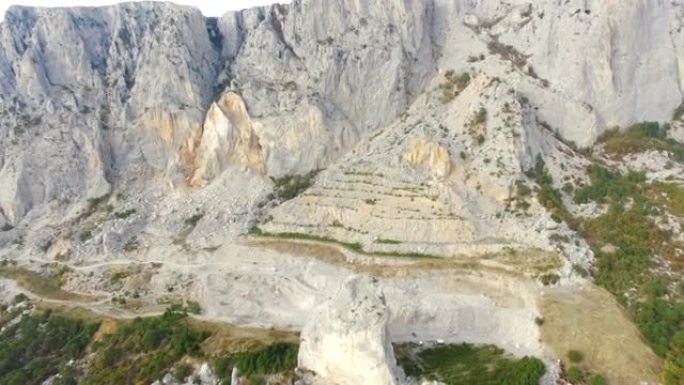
pixel 96 98
pixel 587 65
pixel 101 99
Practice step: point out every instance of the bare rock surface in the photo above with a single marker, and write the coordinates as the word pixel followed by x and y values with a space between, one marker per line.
pixel 346 342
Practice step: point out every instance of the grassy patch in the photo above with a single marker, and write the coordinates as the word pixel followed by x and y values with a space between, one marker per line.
pixel 43 285
pixel 469 364
pixel 669 195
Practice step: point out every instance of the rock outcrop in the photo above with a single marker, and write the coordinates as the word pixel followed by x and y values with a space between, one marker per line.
pixel 346 343
pixel 228 138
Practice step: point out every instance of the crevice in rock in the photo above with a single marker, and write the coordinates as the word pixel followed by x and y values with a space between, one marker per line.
pixel 278 11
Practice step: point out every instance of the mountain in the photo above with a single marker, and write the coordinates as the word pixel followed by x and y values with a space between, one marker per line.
pixel 251 163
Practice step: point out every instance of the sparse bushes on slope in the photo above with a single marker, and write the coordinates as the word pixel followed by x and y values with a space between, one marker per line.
pixel 639 138
pixel 288 187
pixel 143 350
pixel 453 85
pixel 34 348
pixel 627 271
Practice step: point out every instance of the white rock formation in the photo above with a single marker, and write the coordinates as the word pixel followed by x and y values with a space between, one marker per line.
pixel 346 341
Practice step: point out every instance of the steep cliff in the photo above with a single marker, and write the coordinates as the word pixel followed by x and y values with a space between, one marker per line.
pixel 127 90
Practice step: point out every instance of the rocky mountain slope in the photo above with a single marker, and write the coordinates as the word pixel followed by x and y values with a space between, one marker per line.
pixel 252 162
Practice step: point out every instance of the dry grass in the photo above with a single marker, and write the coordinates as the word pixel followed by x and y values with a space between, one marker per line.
pixel 591 321
pixel 227 338
pixel 325 253
pixel 46 286
pixel 515 264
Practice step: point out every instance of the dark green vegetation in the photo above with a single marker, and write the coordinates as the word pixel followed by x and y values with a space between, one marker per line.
pixel 469 364
pixel 288 187
pixel 276 358
pixel 39 346
pixel 575 356
pixel 271 359
pixel 193 220
pixel 641 137
pixel 124 214
pixel 143 350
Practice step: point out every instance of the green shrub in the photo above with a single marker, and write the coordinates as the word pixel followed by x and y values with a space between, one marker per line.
pixel 275 358
pixel 547 195
pixel 223 367
pixel 522 189
pixel 598 380
pixel 480 117
pixel 193 307
pixel 182 371
pixel 607 186
pixel 86 233
pixel 192 221
pixel 574 375
pixel 575 356
pixel 124 214
pixel 549 279
pixel 288 187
